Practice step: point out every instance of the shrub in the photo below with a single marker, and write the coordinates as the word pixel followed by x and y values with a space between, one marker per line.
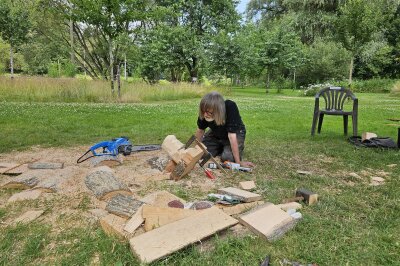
pixel 396 89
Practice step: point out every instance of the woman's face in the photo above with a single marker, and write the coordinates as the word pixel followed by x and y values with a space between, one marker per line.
pixel 209 115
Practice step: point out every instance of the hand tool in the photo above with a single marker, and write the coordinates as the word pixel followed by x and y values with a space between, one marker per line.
pixel 208 172
pixel 304 195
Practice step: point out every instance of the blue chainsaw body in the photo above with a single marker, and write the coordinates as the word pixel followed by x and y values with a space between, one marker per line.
pixel 112 147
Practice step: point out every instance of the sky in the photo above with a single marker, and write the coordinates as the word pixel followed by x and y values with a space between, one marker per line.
pixel 242 5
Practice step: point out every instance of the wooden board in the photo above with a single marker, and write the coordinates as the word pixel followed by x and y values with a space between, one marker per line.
pixel 4 167
pixel 24 181
pixel 135 221
pixel 156 216
pixel 172 237
pixel 123 205
pixel 113 225
pixel 368 135
pixel 25 195
pixel 160 198
pixel 247 185
pixel 28 217
pixel 243 195
pixel 45 165
pixel 105 185
pixel 268 221
pixel 289 205
pixel 239 208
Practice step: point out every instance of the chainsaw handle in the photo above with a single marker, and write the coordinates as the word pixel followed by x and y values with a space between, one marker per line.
pixel 80 158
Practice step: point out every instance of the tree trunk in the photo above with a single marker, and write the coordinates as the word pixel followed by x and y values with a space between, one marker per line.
pixel 268 79
pixel 294 79
pixel 12 61
pixel 351 70
pixel 105 185
pixel 110 47
pixel 119 80
pixel 125 76
pixel 71 36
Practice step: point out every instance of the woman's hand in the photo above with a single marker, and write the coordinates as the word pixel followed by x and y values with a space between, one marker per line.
pixel 247 164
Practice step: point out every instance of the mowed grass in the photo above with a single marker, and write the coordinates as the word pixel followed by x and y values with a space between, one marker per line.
pixel 353 224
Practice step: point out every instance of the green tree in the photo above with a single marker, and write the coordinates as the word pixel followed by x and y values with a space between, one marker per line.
pixel 14 26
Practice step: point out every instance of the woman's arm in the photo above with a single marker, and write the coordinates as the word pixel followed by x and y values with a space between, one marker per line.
pixel 235 150
pixel 199 134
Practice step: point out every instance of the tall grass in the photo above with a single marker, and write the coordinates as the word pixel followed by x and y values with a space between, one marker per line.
pixel 43 89
pixel 396 89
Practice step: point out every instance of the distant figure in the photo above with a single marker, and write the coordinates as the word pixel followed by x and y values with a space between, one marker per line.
pixel 227 132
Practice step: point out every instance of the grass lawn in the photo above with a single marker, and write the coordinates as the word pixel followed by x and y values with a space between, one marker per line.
pixel 353 224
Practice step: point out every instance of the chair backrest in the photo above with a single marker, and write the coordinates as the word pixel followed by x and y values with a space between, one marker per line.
pixel 335 97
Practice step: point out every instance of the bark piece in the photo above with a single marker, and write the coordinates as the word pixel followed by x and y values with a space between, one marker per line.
pixel 28 217
pixel 24 181
pixel 105 185
pixel 247 185
pixel 239 208
pixel 25 195
pixel 45 165
pixel 172 237
pixel 156 216
pixel 135 221
pixel 49 184
pixel 240 194
pixel 123 205
pixel 113 225
pixel 268 221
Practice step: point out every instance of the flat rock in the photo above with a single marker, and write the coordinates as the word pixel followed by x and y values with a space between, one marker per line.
pixel 28 217
pixel 25 195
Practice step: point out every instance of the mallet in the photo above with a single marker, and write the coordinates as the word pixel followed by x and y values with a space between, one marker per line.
pixel 304 195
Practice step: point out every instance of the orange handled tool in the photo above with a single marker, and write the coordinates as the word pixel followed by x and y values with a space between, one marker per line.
pixel 208 173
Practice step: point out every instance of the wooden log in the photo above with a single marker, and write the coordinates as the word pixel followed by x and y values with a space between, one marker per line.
pixel 105 185
pixel 173 147
pixel 268 221
pixel 156 216
pixel 24 181
pixel 45 165
pixel 172 237
pixel 240 194
pixel 113 225
pixel 123 205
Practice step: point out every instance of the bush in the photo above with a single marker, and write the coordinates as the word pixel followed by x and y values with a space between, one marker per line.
pixel 372 85
pixel 312 89
pixel 396 89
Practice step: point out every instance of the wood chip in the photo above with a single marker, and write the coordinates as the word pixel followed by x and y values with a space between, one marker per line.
pixel 247 185
pixel 300 172
pixel 290 205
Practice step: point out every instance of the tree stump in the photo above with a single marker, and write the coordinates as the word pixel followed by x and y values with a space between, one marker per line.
pixel 123 205
pixel 105 185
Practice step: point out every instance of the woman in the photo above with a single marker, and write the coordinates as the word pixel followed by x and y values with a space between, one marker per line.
pixel 227 131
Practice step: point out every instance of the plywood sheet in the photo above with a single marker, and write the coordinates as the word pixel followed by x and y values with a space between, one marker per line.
pixel 172 237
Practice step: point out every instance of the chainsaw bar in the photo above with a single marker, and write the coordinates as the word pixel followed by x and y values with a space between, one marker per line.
pixel 152 147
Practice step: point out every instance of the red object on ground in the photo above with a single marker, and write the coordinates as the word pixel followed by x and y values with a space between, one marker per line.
pixel 209 174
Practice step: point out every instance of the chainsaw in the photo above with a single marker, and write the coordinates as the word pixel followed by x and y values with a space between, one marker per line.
pixel 114 147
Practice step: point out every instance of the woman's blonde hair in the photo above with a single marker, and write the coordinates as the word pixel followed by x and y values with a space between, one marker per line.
pixel 215 102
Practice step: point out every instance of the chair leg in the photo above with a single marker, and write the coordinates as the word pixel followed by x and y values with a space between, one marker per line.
pixel 314 123
pixel 345 124
pixel 355 121
pixel 321 119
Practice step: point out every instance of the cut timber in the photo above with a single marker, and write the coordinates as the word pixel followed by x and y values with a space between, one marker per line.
pixel 192 155
pixel 25 195
pixel 268 221
pixel 239 208
pixel 156 216
pixel 39 165
pixel 24 181
pixel 240 194
pixel 172 237
pixel 160 199
pixel 368 135
pixel 123 205
pixel 105 185
pixel 172 146
pixel 247 185
pixel 135 221
pixel 113 225
pixel 28 217
pixel 290 205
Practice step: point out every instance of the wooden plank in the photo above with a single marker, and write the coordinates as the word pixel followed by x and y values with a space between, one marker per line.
pixel 172 237
pixel 123 205
pixel 113 225
pixel 247 185
pixel 289 205
pixel 24 181
pixel 45 165
pixel 25 195
pixel 160 198
pixel 268 221
pixel 4 167
pixel 243 195
pixel 28 217
pixel 156 216
pixel 105 185
pixel 135 221
pixel 239 208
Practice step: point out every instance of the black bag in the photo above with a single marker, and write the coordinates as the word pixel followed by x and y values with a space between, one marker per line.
pixel 378 142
